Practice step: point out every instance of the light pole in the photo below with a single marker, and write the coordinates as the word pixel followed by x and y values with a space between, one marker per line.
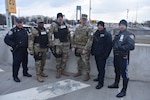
pixel 127 14
pixel 90 11
pixel 8 16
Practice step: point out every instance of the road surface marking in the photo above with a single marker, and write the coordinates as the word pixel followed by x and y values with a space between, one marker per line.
pixel 46 91
pixel 1 70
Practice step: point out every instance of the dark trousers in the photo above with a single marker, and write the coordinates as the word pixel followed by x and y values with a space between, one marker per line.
pixel 20 56
pixel 120 65
pixel 100 62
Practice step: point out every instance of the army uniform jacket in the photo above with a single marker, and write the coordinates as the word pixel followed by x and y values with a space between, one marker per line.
pixel 82 37
pixel 54 29
pixel 31 41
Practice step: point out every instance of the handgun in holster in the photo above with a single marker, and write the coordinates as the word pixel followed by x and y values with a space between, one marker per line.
pixel 14 49
pixel 53 50
pixel 38 56
pixel 78 52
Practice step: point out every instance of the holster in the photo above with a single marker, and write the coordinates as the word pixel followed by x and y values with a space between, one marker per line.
pixel 78 52
pixel 53 50
pixel 38 56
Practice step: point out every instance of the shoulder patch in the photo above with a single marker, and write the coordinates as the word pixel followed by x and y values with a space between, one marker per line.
pixel 132 36
pixel 10 33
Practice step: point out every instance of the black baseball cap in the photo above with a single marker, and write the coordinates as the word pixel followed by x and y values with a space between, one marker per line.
pixel 19 20
pixel 123 22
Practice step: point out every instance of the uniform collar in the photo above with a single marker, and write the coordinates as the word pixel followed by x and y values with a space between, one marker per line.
pixel 123 31
pixel 102 31
pixel 18 27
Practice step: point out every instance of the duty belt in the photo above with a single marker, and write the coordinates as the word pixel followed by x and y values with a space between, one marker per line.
pixel 119 52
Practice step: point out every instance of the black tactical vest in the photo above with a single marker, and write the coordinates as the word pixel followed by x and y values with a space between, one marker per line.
pixel 42 39
pixel 62 33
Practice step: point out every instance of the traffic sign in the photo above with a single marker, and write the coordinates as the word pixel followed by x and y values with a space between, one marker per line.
pixel 11 6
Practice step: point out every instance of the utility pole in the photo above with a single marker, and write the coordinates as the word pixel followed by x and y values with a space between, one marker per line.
pixel 127 14
pixel 90 11
pixel 136 13
pixel 10 8
pixel 8 16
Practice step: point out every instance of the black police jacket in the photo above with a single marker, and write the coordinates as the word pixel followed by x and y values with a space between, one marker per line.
pixel 123 43
pixel 17 38
pixel 102 43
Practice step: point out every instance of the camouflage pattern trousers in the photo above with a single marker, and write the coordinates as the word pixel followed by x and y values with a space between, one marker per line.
pixel 61 61
pixel 40 59
pixel 83 61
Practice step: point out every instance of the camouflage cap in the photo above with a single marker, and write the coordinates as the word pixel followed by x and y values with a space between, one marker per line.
pixel 40 20
pixel 84 16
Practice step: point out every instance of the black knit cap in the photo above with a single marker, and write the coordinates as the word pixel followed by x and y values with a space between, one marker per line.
pixel 101 23
pixel 59 15
pixel 124 22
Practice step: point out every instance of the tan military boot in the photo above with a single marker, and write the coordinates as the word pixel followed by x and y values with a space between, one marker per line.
pixel 87 77
pixel 63 72
pixel 44 75
pixel 78 73
pixel 40 78
pixel 58 73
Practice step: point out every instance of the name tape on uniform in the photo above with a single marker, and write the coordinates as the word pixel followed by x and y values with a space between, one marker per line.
pixel 43 33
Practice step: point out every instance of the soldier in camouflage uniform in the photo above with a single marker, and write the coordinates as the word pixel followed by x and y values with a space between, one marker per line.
pixel 81 46
pixel 38 41
pixel 59 37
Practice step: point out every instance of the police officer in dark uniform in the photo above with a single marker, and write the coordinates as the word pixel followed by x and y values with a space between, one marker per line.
pixel 17 38
pixel 122 44
pixel 101 48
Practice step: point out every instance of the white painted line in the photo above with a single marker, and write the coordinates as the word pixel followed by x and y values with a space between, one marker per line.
pixel 119 92
pixel 1 70
pixel 46 91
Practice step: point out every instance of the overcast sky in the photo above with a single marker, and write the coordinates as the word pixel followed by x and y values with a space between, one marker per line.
pixel 106 10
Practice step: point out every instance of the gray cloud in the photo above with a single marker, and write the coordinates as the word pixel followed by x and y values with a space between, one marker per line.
pixel 61 3
pixel 102 8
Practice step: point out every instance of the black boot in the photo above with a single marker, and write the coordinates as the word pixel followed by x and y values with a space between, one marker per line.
pixel 121 94
pixel 95 80
pixel 124 89
pixel 116 83
pixel 16 79
pixel 100 85
pixel 27 74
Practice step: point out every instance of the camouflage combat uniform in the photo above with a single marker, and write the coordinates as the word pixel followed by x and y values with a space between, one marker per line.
pixel 59 38
pixel 82 40
pixel 38 40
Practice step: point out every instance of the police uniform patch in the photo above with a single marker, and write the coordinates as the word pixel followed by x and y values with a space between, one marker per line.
pixel 101 35
pixel 92 33
pixel 121 38
pixel 132 37
pixel 10 33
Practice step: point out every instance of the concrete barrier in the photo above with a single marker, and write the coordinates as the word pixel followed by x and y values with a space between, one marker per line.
pixel 139 68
